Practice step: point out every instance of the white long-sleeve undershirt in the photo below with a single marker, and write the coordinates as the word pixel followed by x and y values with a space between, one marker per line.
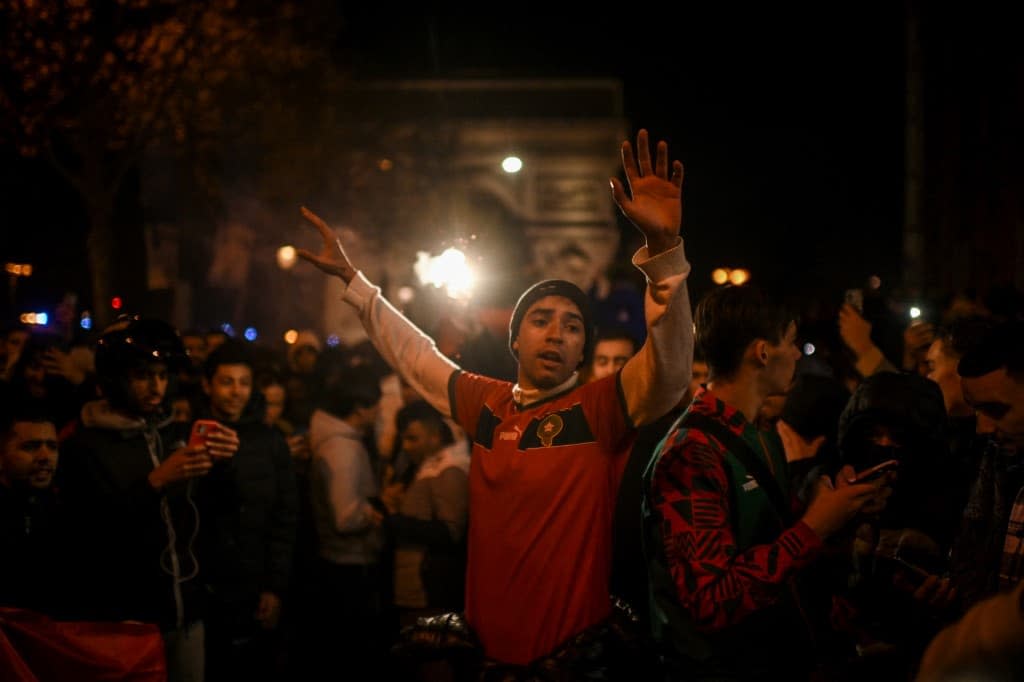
pixel 653 380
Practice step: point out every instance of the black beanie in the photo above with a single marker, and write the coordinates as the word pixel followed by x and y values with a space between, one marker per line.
pixel 553 287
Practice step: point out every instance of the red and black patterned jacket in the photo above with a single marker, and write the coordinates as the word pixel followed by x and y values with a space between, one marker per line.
pixel 721 541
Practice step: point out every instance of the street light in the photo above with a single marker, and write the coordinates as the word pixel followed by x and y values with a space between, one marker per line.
pixel 512 164
pixel 286 257
pixel 737 276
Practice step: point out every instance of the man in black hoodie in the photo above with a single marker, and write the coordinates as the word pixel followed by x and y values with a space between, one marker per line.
pixel 898 416
pixel 249 507
pixel 126 476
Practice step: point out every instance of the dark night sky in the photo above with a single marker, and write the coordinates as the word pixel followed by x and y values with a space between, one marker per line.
pixel 789 122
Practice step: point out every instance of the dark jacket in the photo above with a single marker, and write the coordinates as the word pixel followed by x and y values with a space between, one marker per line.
pixel 249 508
pixel 137 556
pixel 32 549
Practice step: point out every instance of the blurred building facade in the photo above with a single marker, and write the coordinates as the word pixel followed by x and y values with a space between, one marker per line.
pixel 448 139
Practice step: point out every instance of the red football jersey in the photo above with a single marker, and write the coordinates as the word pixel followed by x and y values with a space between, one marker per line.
pixel 542 488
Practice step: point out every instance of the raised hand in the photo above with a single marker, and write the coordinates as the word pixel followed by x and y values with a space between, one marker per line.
pixel 854 330
pixel 655 201
pixel 59 363
pixel 332 258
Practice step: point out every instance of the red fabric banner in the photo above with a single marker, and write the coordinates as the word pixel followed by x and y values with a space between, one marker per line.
pixel 35 648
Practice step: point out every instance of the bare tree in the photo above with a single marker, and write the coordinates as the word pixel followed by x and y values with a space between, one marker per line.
pixel 89 84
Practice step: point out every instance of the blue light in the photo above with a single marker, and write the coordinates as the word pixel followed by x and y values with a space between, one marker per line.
pixel 42 318
pixel 86 323
pixel 227 329
pixel 250 334
pixel 333 341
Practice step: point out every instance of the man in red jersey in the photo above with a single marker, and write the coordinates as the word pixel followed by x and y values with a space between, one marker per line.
pixel 548 452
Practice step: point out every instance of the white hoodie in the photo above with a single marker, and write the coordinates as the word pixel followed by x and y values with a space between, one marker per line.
pixel 341 481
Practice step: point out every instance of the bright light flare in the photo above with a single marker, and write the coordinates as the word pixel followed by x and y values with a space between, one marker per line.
pixel 720 276
pixel 449 270
pixel 291 336
pixel 512 164
pixel 915 313
pixel 286 257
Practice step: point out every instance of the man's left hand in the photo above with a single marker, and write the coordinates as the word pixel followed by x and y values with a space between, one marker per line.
pixel 655 205
pixel 222 442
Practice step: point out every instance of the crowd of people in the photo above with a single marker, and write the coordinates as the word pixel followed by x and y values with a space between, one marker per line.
pixel 704 503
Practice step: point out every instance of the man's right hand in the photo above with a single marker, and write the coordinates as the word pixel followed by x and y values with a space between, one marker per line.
pixel 332 258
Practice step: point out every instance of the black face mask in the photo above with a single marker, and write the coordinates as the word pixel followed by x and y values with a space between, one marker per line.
pixel 872 453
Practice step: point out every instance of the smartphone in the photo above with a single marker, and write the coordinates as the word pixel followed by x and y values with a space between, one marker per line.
pixel 876 471
pixel 915 573
pixel 201 428
pixel 855 299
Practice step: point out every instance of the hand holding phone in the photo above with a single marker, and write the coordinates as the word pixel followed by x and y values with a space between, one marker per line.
pixel 221 441
pixel 201 430
pixel 875 472
pixel 913 574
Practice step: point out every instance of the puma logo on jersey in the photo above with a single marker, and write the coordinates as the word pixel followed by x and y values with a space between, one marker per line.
pixel 510 435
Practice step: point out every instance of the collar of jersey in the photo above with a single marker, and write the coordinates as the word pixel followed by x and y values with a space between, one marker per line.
pixel 528 397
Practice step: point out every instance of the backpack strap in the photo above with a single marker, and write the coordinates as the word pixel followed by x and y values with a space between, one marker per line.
pixel 751 461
